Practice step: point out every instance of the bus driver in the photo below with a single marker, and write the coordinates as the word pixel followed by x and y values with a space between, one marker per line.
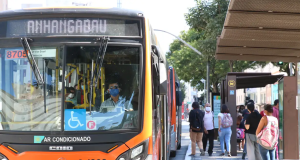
pixel 115 101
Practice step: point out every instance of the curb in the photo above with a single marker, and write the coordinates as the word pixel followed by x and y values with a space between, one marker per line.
pixel 188 151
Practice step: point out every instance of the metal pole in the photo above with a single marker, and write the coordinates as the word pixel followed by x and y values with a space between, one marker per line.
pixel 291 69
pixel 181 41
pixel 204 100
pixel 91 85
pixel 207 82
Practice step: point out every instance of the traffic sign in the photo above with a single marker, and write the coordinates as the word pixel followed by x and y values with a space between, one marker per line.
pixel 75 119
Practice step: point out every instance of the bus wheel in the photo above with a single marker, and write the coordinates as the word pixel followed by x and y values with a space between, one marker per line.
pixel 173 154
pixel 179 146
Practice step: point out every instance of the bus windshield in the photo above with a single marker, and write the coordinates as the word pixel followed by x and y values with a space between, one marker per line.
pixel 114 98
pixel 111 104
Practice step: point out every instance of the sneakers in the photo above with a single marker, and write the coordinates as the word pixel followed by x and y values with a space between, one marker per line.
pixel 244 155
pixel 229 155
pixel 210 154
pixel 202 152
pixel 222 154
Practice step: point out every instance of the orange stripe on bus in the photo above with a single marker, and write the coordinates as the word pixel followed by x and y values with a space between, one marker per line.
pixel 147 121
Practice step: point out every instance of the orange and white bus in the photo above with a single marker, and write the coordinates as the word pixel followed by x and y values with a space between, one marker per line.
pixel 85 84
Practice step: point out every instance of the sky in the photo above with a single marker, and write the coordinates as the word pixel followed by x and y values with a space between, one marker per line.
pixel 166 15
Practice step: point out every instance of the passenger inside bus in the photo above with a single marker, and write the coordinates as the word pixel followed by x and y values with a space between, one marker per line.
pixel 115 99
pixel 71 100
pixel 80 89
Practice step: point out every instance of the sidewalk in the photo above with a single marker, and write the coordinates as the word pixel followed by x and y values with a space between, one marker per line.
pixel 215 155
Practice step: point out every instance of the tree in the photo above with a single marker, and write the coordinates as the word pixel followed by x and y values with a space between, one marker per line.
pixel 285 67
pixel 206 21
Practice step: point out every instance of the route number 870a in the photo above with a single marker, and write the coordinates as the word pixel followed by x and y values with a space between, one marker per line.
pixel 15 54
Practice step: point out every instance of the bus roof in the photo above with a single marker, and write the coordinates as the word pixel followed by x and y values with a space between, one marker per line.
pixel 70 10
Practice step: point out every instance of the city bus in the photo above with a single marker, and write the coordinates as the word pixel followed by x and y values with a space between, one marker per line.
pixel 85 84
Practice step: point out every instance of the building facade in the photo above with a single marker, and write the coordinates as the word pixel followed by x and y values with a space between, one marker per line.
pixel 3 5
pixel 264 95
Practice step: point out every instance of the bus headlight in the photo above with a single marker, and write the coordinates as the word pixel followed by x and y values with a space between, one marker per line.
pixel 124 156
pixel 140 152
pixel 137 151
pixel 2 157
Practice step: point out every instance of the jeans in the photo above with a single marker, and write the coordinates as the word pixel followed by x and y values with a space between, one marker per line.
pixel 267 154
pixel 252 147
pixel 225 135
pixel 210 137
pixel 245 146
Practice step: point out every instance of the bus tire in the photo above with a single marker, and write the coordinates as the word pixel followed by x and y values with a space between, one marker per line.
pixel 179 146
pixel 173 154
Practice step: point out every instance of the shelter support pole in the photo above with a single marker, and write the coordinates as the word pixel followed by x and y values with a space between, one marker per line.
pixel 231 104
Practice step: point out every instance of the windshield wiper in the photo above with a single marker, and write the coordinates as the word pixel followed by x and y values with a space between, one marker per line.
pixel 34 67
pixel 98 64
pixel 32 62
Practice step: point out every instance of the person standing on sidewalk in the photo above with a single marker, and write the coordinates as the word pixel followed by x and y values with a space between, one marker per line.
pixel 270 135
pixel 251 141
pixel 196 128
pixel 208 129
pixel 225 123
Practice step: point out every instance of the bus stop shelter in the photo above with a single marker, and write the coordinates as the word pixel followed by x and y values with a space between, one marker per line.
pixel 236 81
pixel 268 30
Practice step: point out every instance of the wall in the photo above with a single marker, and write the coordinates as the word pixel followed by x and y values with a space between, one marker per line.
pixel 3 5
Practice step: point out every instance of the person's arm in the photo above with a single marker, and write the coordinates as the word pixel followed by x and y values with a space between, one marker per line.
pixel 261 125
pixel 190 120
pixel 219 123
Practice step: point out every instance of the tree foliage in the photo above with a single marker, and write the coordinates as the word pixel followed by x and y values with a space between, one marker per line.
pixel 206 20
pixel 285 67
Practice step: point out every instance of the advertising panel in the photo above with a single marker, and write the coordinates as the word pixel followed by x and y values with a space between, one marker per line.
pixel 216 108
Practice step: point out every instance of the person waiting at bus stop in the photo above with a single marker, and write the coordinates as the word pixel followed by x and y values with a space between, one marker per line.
pixel 208 129
pixel 196 128
pixel 115 99
pixel 251 125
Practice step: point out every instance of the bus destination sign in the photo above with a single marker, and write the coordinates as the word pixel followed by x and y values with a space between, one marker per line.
pixel 72 27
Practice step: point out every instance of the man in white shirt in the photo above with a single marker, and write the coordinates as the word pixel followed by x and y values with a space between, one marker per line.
pixel 208 129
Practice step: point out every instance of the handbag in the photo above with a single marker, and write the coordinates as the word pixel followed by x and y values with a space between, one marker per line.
pixel 240 133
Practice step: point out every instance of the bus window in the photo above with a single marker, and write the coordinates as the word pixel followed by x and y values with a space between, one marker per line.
pixel 112 102
pixel 23 101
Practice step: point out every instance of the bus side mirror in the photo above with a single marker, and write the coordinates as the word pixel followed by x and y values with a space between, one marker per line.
pixel 178 98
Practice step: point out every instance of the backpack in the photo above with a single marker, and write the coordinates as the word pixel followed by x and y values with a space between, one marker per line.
pixel 197 125
pixel 227 120
pixel 268 137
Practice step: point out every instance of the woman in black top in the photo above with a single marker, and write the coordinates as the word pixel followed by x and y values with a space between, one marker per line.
pixel 196 128
pixel 252 122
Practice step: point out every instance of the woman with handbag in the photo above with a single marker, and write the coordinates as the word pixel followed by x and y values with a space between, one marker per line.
pixel 267 134
pixel 196 128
